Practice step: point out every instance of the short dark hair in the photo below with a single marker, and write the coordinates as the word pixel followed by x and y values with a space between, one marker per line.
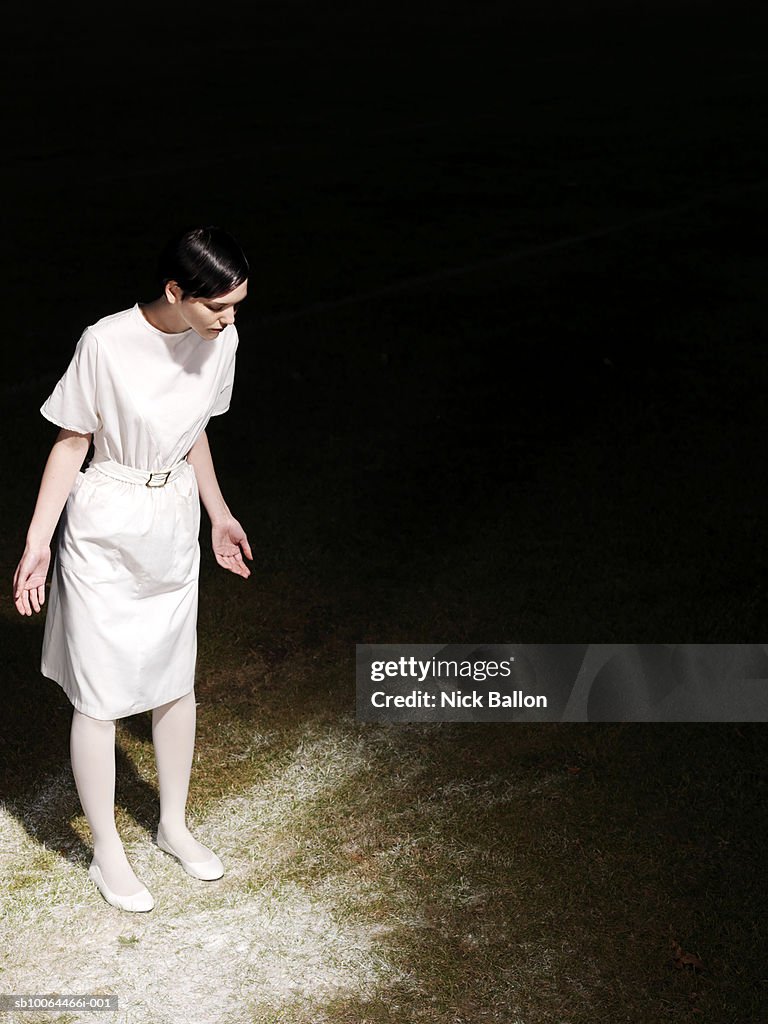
pixel 204 262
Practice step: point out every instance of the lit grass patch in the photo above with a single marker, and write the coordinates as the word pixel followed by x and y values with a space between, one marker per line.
pixel 425 873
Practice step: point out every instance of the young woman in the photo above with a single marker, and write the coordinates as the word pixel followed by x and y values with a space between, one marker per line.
pixel 121 625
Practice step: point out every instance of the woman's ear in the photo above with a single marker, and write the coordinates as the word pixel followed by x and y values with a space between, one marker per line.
pixel 173 292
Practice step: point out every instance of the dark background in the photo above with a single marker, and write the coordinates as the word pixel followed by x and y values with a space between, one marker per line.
pixel 502 362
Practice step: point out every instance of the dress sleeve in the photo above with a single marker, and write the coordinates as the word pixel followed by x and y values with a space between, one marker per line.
pixel 226 382
pixel 73 403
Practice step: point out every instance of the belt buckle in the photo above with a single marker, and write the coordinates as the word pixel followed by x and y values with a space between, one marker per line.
pixel 165 476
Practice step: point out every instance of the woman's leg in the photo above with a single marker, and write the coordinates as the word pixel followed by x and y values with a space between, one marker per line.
pixel 92 750
pixel 173 734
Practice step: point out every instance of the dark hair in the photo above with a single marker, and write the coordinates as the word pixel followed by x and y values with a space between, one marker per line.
pixel 204 262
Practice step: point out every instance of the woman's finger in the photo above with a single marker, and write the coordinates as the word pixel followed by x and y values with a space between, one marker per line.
pixel 234 563
pixel 18 583
pixel 240 567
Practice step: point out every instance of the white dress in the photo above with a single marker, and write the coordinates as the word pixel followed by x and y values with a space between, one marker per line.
pixel 121 620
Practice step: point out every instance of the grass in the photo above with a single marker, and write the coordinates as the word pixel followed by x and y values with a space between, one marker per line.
pixel 424 873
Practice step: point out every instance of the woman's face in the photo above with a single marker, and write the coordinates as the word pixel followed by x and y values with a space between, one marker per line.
pixel 208 317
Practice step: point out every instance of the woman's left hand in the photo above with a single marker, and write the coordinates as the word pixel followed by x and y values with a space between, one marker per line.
pixel 228 538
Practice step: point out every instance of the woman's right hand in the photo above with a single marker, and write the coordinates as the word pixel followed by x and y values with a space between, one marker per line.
pixel 66 457
pixel 29 579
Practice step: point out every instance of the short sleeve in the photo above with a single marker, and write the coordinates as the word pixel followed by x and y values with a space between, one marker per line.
pixel 73 402
pixel 226 383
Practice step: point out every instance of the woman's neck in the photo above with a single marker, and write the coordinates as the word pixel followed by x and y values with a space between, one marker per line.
pixel 161 315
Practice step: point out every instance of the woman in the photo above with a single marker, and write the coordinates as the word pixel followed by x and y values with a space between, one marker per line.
pixel 121 626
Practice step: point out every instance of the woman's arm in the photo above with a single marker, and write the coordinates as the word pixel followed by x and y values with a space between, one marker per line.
pixel 64 462
pixel 227 535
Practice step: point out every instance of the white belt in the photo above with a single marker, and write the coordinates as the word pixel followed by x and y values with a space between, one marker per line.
pixel 139 476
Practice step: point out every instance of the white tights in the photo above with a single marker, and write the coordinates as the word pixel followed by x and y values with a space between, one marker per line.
pixel 92 749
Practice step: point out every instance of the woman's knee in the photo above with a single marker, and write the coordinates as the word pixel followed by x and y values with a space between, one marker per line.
pixel 82 721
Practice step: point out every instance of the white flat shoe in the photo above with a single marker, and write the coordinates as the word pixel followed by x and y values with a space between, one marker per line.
pixel 207 870
pixel 137 901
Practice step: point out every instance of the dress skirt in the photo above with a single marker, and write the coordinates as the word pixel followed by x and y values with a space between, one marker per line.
pixel 121 624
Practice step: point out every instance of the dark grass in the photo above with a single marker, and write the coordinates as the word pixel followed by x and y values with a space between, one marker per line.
pixel 561 445
pixel 553 873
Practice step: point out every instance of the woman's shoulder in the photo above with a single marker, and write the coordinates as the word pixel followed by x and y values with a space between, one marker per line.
pixel 114 324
